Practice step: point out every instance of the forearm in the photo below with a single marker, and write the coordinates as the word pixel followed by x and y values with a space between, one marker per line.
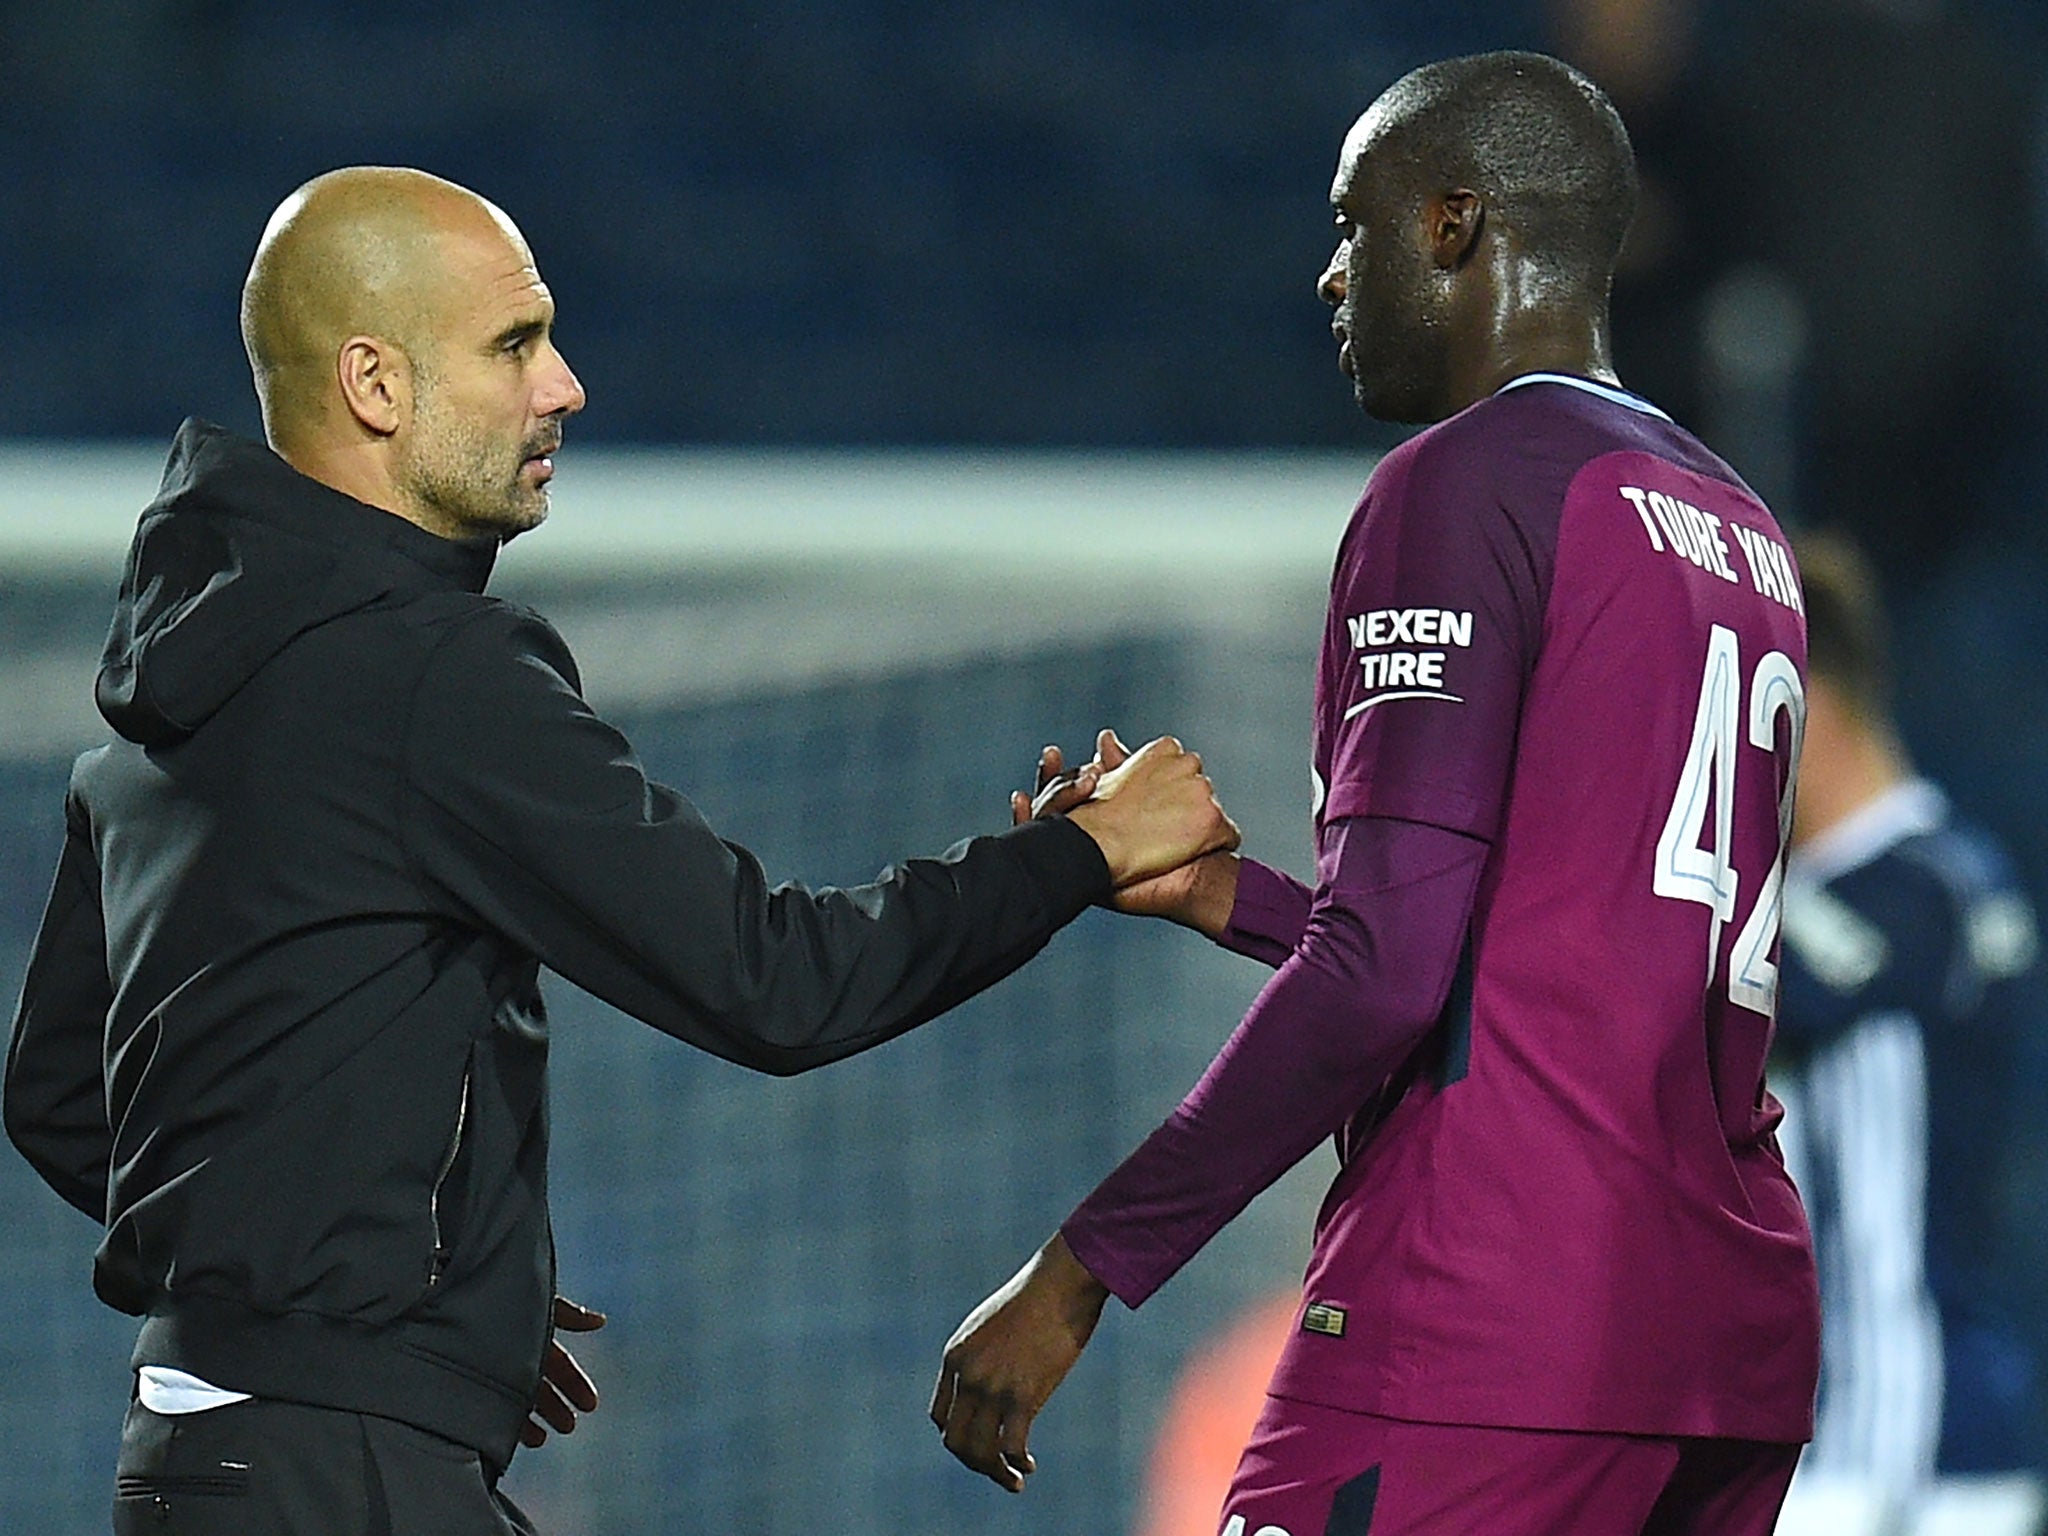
pixel 839 971
pixel 532 818
pixel 685 932
pixel 1368 982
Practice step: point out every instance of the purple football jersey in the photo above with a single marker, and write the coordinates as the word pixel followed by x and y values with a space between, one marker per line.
pixel 1560 624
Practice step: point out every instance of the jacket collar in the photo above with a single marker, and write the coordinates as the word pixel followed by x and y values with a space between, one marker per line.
pixel 212 467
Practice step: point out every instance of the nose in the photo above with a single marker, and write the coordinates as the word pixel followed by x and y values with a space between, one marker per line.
pixel 1330 286
pixel 561 392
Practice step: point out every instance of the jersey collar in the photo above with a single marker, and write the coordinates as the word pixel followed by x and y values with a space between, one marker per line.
pixel 1591 387
pixel 1907 809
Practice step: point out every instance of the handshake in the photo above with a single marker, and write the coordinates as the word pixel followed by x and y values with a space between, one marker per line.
pixel 1153 813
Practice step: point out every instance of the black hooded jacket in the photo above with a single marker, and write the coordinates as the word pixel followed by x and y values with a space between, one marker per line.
pixel 281 1030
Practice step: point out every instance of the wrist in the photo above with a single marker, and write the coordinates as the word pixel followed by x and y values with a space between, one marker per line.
pixel 1213 897
pixel 1083 1294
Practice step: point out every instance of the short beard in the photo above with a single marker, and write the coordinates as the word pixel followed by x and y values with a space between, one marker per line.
pixel 458 477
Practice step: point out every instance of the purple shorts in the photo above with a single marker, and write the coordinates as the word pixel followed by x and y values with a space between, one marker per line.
pixel 1313 1471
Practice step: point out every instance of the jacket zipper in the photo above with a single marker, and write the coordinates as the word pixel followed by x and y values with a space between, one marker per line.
pixel 440 1259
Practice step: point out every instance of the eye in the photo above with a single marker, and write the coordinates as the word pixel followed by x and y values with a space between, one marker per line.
pixel 519 343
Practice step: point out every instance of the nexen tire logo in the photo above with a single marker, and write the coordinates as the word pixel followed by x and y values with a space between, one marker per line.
pixel 1388 674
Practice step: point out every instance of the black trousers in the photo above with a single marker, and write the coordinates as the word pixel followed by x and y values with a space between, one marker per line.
pixel 283 1469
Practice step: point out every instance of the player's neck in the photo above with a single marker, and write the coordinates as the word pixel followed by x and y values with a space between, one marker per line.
pixel 1833 788
pixel 1540 342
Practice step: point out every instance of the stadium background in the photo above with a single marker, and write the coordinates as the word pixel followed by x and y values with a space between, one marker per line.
pixel 956 386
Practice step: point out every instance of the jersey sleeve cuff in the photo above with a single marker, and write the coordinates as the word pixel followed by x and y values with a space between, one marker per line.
pixel 1123 1274
pixel 1269 916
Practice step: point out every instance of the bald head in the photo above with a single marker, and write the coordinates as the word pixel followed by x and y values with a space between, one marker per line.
pixel 402 342
pixel 368 250
pixel 1481 204
pixel 1541 145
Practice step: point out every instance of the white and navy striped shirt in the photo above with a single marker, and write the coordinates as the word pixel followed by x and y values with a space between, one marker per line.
pixel 1910 974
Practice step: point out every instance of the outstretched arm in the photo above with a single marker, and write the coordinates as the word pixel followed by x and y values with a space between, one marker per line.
pixel 530 816
pixel 1369 981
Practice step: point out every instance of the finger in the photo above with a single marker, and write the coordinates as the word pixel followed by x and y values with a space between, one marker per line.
pixel 1050 762
pixel 971 1431
pixel 1062 795
pixel 1020 807
pixel 533 1435
pixel 1016 1429
pixel 1232 838
pixel 1109 748
pixel 554 1408
pixel 576 1318
pixel 942 1396
pixel 568 1378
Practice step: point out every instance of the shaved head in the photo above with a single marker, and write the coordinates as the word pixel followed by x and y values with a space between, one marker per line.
pixel 367 250
pixel 1537 140
pixel 1481 204
pixel 401 341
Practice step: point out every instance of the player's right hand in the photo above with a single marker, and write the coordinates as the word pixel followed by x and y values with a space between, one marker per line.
pixel 1183 872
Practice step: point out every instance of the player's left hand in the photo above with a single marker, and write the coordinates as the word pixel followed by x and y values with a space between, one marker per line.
pixel 565 1390
pixel 1003 1363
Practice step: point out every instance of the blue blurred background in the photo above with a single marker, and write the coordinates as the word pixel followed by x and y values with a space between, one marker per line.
pixel 860 224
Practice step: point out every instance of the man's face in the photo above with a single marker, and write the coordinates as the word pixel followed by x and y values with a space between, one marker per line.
pixel 490 393
pixel 1390 310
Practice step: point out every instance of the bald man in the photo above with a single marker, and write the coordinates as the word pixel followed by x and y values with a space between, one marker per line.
pixel 1562 1285
pixel 281 1031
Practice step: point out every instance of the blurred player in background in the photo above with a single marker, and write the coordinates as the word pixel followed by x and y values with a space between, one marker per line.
pixel 282 1031
pixel 1562 1282
pixel 1911 1027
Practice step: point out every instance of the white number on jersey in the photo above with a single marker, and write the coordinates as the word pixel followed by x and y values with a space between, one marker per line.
pixel 1686 871
pixel 1235 1527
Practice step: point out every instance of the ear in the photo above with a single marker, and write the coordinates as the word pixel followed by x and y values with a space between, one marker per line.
pixel 376 383
pixel 1454 221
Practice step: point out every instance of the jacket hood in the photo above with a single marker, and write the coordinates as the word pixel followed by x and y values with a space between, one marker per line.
pixel 237 556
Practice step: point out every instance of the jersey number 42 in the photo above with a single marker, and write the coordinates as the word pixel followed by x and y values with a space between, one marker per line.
pixel 1690 868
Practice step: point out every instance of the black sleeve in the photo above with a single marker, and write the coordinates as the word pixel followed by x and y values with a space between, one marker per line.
pixel 529 815
pixel 56 1106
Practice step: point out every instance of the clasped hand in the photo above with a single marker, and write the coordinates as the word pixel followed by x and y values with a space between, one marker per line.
pixel 1196 889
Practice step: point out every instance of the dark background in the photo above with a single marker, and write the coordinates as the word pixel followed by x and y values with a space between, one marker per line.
pixel 1067 223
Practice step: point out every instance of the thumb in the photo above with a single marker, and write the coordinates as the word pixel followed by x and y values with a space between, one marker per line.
pixel 1110 748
